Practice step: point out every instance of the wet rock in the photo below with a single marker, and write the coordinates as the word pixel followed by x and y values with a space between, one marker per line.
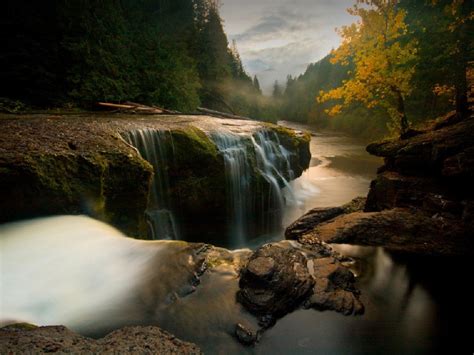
pixel 320 215
pixel 420 202
pixel 425 153
pixel 334 289
pixel 83 165
pixel 275 280
pixel 399 229
pixel 282 276
pixel 59 339
pixel 261 267
pixel 245 335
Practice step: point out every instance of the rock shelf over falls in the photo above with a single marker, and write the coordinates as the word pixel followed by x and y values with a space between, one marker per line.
pixel 197 178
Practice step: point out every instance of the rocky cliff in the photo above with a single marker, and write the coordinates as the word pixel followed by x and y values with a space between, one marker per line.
pixel 85 164
pixel 421 202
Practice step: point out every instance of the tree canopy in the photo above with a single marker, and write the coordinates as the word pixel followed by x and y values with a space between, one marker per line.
pixel 173 54
pixel 433 79
pixel 383 61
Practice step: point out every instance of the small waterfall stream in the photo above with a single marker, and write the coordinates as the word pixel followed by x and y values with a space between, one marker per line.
pixel 253 208
pixel 238 183
pixel 273 162
pixel 157 148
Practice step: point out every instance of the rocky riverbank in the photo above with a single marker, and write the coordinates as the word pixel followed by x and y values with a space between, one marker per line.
pixel 29 339
pixel 171 284
pixel 421 202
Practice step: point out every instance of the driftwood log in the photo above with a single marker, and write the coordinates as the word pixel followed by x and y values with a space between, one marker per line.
pixel 132 107
pixel 214 113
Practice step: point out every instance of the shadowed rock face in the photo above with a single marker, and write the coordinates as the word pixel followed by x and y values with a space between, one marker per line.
pixel 317 216
pixel 80 164
pixel 59 339
pixel 282 276
pixel 420 203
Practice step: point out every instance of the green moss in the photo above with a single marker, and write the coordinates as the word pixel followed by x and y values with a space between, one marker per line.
pixel 192 140
pixel 291 136
pixel 21 326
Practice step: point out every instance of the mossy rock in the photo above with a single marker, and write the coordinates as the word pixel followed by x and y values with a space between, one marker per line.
pixel 112 188
pixel 20 326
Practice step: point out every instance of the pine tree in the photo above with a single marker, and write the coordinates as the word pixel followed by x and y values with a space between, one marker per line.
pixel 256 84
pixel 277 90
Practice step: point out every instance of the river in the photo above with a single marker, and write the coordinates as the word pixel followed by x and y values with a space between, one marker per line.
pixel 412 304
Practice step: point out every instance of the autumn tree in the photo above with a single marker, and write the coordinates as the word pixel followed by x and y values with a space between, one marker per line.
pixel 383 60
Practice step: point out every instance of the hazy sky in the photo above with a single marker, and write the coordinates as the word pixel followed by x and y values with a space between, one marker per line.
pixel 280 37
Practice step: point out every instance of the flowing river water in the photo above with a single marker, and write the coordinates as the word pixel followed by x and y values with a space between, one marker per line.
pixel 85 275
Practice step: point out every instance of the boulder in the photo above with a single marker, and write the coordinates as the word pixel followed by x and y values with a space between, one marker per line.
pixel 318 215
pixel 401 230
pixel 282 276
pixel 59 339
pixel 420 203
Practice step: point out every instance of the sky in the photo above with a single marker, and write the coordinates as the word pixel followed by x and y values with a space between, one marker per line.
pixel 280 37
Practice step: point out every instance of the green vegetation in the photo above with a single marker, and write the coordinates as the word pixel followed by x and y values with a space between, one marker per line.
pixel 173 54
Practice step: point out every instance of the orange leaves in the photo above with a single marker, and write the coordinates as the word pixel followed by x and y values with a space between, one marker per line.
pixel 383 63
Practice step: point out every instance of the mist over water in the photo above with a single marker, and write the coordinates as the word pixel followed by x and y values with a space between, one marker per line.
pixel 68 270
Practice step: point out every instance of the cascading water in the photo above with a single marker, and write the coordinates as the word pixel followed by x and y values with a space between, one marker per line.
pixel 273 163
pixel 157 148
pixel 238 183
pixel 254 209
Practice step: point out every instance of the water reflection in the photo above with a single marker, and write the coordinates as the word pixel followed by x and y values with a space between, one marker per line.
pixel 86 275
pixel 340 170
pixel 400 315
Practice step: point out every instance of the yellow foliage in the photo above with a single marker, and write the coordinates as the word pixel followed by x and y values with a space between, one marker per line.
pixel 384 65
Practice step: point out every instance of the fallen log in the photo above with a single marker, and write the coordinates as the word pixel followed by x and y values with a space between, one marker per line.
pixel 118 106
pixel 133 107
pixel 219 114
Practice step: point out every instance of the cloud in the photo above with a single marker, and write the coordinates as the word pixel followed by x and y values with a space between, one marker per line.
pixel 283 35
pixel 268 25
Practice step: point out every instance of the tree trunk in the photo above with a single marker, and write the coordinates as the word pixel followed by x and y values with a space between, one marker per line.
pixel 402 113
pixel 462 106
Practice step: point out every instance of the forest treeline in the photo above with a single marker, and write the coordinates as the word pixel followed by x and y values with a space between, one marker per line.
pixel 170 53
pixel 437 79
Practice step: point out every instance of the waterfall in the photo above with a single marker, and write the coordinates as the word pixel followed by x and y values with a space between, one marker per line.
pixel 262 154
pixel 238 183
pixel 157 148
pixel 273 163
pixel 257 171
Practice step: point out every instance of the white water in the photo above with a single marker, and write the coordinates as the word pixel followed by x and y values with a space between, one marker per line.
pixel 68 270
pixel 157 148
pixel 238 184
pixel 247 215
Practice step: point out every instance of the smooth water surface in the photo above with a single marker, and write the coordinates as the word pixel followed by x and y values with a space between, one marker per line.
pixel 340 170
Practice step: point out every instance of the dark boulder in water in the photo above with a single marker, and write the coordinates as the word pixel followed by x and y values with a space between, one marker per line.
pixel 282 276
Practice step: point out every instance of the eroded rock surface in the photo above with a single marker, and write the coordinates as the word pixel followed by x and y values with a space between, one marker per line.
pixel 81 164
pixel 421 201
pixel 316 216
pixel 280 277
pixel 61 340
